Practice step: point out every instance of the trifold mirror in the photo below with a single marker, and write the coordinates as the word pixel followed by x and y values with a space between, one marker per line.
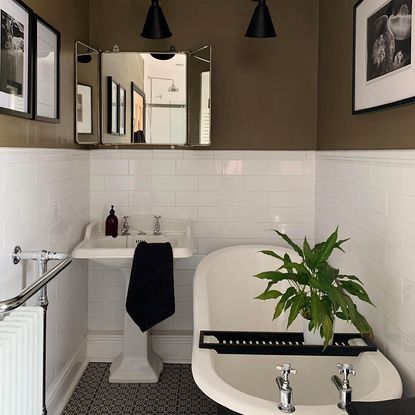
pixel 143 98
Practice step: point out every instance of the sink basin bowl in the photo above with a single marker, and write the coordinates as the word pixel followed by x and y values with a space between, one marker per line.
pixel 118 252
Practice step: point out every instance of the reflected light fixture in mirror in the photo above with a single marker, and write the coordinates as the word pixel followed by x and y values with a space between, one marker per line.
pixel 261 25
pixel 155 26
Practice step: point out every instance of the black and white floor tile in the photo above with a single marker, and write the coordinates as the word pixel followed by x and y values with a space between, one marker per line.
pixel 176 393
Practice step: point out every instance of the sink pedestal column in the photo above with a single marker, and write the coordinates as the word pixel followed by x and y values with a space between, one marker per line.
pixel 138 363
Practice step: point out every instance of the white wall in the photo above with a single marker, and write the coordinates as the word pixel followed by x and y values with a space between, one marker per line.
pixel 44 204
pixel 371 195
pixel 233 197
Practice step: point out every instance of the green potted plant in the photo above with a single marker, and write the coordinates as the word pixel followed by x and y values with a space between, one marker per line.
pixel 317 291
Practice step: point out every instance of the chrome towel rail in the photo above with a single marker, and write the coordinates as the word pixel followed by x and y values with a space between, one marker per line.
pixel 15 302
pixel 38 286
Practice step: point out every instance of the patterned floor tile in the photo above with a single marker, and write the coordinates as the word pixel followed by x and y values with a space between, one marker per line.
pixel 175 394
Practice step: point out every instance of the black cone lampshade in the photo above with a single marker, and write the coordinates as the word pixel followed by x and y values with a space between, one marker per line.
pixel 261 25
pixel 156 26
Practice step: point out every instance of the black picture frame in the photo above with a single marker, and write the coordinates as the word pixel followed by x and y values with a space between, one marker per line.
pixel 39 20
pixel 122 110
pixel 28 58
pixel 113 106
pixel 137 136
pixel 372 81
pixel 88 88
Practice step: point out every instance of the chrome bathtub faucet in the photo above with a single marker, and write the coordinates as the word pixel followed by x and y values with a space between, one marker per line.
pixel 343 385
pixel 286 393
pixel 157 231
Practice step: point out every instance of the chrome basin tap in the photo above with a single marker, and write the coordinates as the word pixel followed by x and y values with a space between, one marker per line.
pixel 343 385
pixel 125 230
pixel 125 227
pixel 157 231
pixel 286 393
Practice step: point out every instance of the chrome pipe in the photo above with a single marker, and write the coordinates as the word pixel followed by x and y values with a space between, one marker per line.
pixel 11 304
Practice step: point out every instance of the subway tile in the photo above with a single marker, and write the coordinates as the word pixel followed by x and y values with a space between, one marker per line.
pixel 109 167
pixel 117 183
pixel 401 207
pixel 198 198
pixel 245 167
pixel 280 183
pixel 12 203
pixel 206 230
pixel 388 178
pixel 291 199
pixel 200 167
pixel 97 182
pixel 374 199
pixel 108 198
pixel 176 212
pixel 175 182
pixel 291 168
pixel 409 181
pixel 221 183
pixel 151 199
pixel 152 167
pixel 244 198
pixel 19 175
pixel 277 215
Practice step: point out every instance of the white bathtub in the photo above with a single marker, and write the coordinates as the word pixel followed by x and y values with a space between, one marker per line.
pixel 224 289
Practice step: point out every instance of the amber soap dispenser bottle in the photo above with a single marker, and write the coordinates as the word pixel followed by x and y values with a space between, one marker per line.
pixel 111 224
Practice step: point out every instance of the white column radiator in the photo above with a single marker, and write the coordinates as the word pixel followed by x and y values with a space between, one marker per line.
pixel 21 362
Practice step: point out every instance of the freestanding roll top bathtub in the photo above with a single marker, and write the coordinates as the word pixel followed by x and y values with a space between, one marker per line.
pixel 224 291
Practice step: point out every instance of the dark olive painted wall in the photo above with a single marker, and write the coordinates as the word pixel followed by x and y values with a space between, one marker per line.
pixel 264 90
pixel 70 17
pixel 337 127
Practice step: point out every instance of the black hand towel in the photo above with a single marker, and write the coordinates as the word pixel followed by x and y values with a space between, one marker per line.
pixel 150 297
pixel 394 407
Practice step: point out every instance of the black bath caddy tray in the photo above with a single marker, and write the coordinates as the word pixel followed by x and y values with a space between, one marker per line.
pixel 271 343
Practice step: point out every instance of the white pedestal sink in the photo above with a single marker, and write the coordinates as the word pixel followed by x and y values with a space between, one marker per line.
pixel 137 363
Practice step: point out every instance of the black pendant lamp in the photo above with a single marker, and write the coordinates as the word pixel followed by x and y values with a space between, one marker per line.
pixel 156 26
pixel 261 25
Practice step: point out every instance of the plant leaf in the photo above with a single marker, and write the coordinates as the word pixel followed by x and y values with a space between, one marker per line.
pixel 350 277
pixel 269 295
pixel 291 243
pixel 323 251
pixel 281 304
pixel 295 308
pixel 276 276
pixel 327 330
pixel 339 243
pixel 356 289
pixel 316 311
pixel 273 254
pixel 308 254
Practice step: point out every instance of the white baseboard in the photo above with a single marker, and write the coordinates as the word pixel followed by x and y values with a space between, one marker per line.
pixel 104 346
pixel 60 391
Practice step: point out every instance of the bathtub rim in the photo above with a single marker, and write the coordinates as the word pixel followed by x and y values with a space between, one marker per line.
pixel 221 392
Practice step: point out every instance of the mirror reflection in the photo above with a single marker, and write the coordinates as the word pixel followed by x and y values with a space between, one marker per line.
pixel 87 90
pixel 199 100
pixel 144 98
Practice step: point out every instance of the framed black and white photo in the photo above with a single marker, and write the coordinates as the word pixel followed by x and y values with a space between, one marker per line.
pixel 84 109
pixel 15 58
pixel 113 107
pixel 122 111
pixel 138 107
pixel 383 70
pixel 47 68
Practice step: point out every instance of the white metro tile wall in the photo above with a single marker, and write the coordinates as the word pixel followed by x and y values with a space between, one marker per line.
pixel 44 204
pixel 232 197
pixel 371 195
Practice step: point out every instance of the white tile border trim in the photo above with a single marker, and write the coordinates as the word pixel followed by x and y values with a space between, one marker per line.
pixel 59 393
